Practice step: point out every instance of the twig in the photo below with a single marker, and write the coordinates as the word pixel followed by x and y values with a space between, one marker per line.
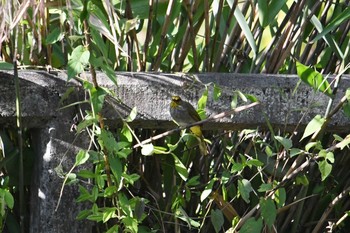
pixel 338 198
pixel 215 117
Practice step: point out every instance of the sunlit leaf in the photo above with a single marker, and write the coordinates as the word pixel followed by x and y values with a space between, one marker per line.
pixel 339 19
pixel 254 162
pixel 180 168
pixel 216 92
pixel 81 157
pixel 109 213
pixel 78 61
pixel 344 143
pixel 202 102
pixel 245 28
pixel 207 190
pixel 126 134
pixel 280 197
pixel 314 125
pixel 132 115
pixel 325 169
pixel 314 79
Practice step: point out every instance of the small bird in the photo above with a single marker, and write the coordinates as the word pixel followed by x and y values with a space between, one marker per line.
pixel 183 113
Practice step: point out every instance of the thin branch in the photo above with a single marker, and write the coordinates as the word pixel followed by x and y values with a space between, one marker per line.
pixel 215 117
pixel 331 205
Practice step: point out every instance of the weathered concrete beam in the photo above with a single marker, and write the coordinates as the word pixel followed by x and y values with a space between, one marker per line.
pixel 283 101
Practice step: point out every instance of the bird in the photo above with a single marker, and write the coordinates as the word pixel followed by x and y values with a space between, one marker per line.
pixel 183 114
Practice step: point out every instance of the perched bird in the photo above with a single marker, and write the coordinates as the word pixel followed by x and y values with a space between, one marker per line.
pixel 183 113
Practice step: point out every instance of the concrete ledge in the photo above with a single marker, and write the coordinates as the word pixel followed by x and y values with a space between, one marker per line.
pixel 151 94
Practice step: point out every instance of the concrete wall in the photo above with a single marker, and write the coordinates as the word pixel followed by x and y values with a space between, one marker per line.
pixel 151 94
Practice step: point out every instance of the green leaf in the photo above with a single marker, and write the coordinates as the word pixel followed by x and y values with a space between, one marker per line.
pixel 8 198
pixel 254 162
pixel 131 178
pixel 87 174
pixel 207 190
pixel 252 98
pixel 314 79
pixel 327 37
pixel 97 98
pixel 84 195
pixel 347 94
pixel 267 13
pixel 107 141
pixel 109 213
pixel 77 62
pixel 202 102
pixel 344 143
pixel 245 28
pixel 237 167
pixel 339 19
pixel 132 115
pixel 116 167
pixel 242 96
pixel 81 157
pixel 346 109
pixel 325 169
pixel 234 100
pixel 295 151
pixel 216 92
pixel 268 211
pixel 217 219
pixel 126 134
pixel 316 145
pixel 244 188
pixel 83 214
pixel 6 66
pixel 113 229
pixel 54 36
pixel 147 149
pixel 286 142
pixel 193 181
pixel 280 197
pixel 314 125
pixel 88 121
pixel 180 168
pixel 326 155
pixel 302 180
pixel 252 226
pixel 110 191
pixel 131 224
pixel 181 214
pixel 265 187
pixel 139 208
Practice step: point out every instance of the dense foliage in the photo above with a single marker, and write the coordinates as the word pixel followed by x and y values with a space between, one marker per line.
pixel 251 181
